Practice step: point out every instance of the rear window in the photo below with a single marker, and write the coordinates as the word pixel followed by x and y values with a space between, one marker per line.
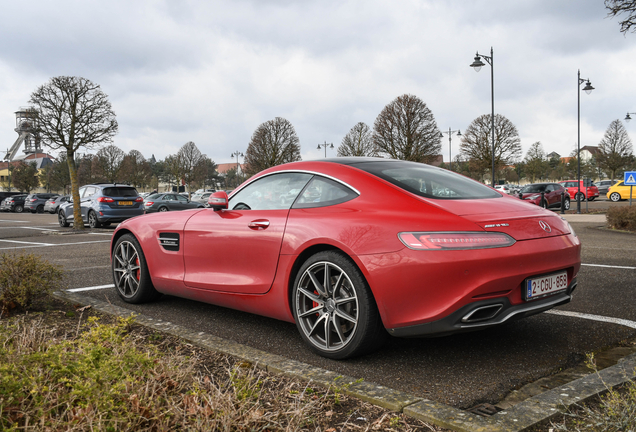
pixel 534 188
pixel 120 191
pixel 428 181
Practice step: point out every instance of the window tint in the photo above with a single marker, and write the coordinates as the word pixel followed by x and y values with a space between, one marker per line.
pixel 322 192
pixel 120 191
pixel 428 181
pixel 181 198
pixel 273 192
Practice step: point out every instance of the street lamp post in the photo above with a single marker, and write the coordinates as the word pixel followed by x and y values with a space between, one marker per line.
pixel 325 145
pixel 587 89
pixel 237 154
pixel 477 65
pixel 450 134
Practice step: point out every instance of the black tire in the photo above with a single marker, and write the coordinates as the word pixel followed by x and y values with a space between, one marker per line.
pixel 352 323
pixel 18 209
pixel 163 209
pixel 591 199
pixel 40 209
pixel 130 271
pixel 580 195
pixel 61 219
pixel 92 220
pixel 615 197
pixel 566 204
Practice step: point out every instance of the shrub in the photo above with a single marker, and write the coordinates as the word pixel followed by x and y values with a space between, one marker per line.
pixel 25 279
pixel 623 218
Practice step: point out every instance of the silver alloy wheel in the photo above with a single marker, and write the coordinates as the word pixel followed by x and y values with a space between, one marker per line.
pixel 92 220
pixel 615 197
pixel 566 204
pixel 126 269
pixel 163 209
pixel 327 306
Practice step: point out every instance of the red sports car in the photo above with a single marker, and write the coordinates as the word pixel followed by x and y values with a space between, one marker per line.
pixel 355 249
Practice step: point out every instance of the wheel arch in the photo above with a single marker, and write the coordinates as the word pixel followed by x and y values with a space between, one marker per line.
pixel 120 233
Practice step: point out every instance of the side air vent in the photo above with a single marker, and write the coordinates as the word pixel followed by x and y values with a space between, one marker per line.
pixel 169 241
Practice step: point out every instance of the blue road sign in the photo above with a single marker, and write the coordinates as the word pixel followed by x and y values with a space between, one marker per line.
pixel 630 178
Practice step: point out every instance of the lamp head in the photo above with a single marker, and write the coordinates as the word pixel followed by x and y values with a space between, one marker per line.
pixel 588 87
pixel 627 118
pixel 477 64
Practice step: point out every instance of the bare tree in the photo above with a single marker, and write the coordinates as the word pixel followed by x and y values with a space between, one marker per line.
pixel 358 142
pixel 190 157
pixel 273 143
pixel 620 7
pixel 406 129
pixel 536 162
pixel 615 149
pixel 109 162
pixel 73 113
pixel 476 144
pixel 135 169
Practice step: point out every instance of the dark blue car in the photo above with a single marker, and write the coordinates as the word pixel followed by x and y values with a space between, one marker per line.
pixel 102 204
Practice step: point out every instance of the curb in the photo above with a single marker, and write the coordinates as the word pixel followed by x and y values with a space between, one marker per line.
pixel 517 418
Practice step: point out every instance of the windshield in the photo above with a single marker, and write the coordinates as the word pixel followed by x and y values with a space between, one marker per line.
pixel 428 181
pixel 533 188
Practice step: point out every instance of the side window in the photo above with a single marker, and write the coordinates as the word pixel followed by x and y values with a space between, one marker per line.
pixel 168 197
pixel 81 191
pixel 273 192
pixel 90 191
pixel 549 188
pixel 181 198
pixel 322 192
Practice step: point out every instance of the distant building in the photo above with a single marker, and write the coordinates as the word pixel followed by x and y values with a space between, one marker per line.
pixel 553 155
pixel 41 161
pixel 223 168
pixel 588 152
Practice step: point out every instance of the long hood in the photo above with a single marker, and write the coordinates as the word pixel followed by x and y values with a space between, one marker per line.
pixel 519 219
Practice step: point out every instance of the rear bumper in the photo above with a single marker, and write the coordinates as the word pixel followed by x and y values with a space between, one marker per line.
pixel 485 313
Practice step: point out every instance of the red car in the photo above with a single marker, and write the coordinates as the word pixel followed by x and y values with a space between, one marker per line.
pixel 545 195
pixel 587 192
pixel 365 248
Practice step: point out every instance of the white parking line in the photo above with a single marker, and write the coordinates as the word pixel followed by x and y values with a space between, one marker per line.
pixel 37 228
pixel 29 243
pixel 98 287
pixel 35 245
pixel 609 266
pixel 16 221
pixel 619 321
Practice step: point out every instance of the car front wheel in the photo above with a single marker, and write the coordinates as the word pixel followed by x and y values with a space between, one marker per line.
pixel 130 271
pixel 615 196
pixel 334 309
pixel 61 219
pixel 163 209
pixel 18 209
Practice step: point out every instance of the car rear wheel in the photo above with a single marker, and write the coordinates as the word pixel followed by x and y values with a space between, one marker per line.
pixel 61 219
pixel 40 209
pixel 334 309
pixel 580 195
pixel 18 209
pixel 92 220
pixel 615 196
pixel 130 271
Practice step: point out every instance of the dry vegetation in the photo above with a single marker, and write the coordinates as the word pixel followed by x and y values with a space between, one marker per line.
pixel 67 369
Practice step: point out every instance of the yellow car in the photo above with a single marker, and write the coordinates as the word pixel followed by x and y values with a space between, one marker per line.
pixel 620 192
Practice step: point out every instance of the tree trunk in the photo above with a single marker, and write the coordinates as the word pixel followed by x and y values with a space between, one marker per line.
pixel 78 222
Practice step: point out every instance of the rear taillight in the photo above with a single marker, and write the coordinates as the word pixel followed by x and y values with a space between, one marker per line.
pixel 455 240
pixel 139 199
pixel 105 199
pixel 33 199
pixel 149 203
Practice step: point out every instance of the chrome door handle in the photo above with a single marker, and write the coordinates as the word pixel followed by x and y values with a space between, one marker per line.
pixel 259 224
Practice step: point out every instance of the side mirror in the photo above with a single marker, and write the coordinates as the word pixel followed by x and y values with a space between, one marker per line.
pixel 218 201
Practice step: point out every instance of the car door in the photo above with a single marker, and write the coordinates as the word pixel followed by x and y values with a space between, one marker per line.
pixel 182 203
pixel 237 250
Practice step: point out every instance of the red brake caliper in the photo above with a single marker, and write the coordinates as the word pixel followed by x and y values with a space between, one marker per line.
pixel 138 270
pixel 315 304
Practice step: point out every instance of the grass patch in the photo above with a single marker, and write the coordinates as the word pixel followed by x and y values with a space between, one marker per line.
pixel 62 372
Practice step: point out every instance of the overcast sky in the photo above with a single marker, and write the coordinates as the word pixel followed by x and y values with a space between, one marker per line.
pixel 212 71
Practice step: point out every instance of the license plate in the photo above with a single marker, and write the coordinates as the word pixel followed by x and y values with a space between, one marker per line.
pixel 545 285
pixel 125 202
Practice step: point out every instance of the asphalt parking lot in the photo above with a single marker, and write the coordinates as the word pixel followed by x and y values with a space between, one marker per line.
pixel 460 370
